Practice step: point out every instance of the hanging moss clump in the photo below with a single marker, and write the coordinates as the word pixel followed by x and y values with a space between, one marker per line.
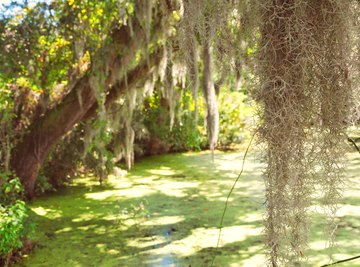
pixel 201 25
pixel 332 72
pixel 305 96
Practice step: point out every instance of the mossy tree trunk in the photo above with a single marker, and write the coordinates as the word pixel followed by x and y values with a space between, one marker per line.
pixel 212 117
pixel 30 153
pixel 81 103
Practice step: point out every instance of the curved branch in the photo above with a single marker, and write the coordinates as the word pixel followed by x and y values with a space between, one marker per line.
pixel 341 261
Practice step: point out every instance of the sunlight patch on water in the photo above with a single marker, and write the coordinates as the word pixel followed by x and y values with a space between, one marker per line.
pixel 175 189
pixel 167 260
pixel 343 210
pixel 319 244
pixel 153 241
pixel 257 260
pixel 86 227
pixel 40 211
pixel 348 210
pixel 83 217
pixel 100 195
pixel 113 252
pixel 201 238
pixel 166 252
pixel 64 230
pixel 50 213
pixel 101 247
pixel 238 233
pixel 130 192
pixel 119 182
pixel 252 217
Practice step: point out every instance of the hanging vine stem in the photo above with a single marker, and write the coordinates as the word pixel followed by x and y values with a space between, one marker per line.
pixel 341 261
pixel 352 141
pixel 229 194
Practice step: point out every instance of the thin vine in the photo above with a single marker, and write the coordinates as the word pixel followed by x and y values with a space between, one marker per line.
pixel 229 194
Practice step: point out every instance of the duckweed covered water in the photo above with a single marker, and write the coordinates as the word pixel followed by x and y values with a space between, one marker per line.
pixel 165 212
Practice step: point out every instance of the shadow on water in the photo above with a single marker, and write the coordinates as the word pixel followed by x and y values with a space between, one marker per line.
pixel 159 214
pixel 165 212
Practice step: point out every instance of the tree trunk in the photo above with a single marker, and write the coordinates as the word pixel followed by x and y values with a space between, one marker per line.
pixel 212 117
pixel 81 103
pixel 30 153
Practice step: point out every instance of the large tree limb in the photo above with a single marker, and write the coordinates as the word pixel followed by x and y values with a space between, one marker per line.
pixel 136 76
pixel 29 154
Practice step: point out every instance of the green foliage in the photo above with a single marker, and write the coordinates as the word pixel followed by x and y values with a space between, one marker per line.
pixel 13 213
pixel 43 185
pixel 62 163
pixel 12 226
pixel 11 189
pixel 184 135
pixel 97 158
pixel 85 154
pixel 45 47
pixel 88 153
pixel 33 48
pixel 99 161
pixel 235 111
pixel 6 129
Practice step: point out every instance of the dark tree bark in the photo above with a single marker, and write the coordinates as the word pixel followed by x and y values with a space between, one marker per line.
pixel 30 153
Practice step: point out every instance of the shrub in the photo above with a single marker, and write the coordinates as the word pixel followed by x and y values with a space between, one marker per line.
pixel 11 226
pixel 183 136
pixel 13 213
pixel 235 118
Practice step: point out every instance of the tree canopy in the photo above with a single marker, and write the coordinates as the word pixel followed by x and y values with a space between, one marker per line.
pixel 80 73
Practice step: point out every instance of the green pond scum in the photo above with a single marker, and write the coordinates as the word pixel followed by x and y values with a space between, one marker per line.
pixel 166 212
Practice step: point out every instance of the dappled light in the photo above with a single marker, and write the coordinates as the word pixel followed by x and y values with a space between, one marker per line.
pixel 186 133
pixel 172 218
pixel 166 215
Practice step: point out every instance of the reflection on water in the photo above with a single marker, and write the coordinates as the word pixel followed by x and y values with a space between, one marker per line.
pixel 167 260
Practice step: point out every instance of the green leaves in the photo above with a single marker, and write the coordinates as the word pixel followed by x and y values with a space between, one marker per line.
pixel 13 213
pixel 11 189
pixel 11 226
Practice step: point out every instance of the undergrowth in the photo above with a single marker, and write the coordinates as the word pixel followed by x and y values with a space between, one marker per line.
pixel 14 226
